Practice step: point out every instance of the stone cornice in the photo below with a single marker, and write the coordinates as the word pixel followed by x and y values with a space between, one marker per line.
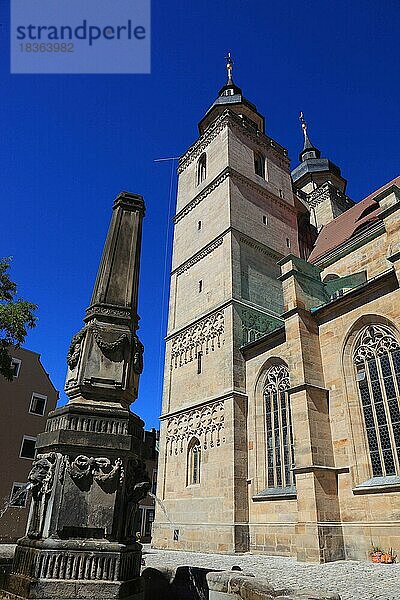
pixel 245 239
pixel 228 172
pixel 261 190
pixel 199 256
pixel 350 245
pixel 377 286
pixel 214 399
pixel 329 191
pixel 228 117
pixel 203 194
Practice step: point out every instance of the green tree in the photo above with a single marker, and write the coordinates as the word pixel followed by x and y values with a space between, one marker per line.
pixel 16 315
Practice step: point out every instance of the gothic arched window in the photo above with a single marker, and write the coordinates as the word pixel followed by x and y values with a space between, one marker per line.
pixel 259 164
pixel 201 169
pixel 194 462
pixel 377 361
pixel 280 450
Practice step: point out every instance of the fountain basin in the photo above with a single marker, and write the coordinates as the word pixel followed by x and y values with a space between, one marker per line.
pixel 194 583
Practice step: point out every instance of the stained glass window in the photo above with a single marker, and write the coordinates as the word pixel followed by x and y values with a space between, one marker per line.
pixel 280 448
pixel 377 361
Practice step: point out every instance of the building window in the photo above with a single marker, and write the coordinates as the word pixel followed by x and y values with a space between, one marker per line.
pixel 28 447
pixel 377 361
pixel 259 164
pixel 194 462
pixel 154 482
pixel 288 242
pixel 15 366
pixel 19 495
pixel 199 225
pixel 201 172
pixel 280 447
pixel 199 362
pixel 200 285
pixel 265 220
pixel 38 404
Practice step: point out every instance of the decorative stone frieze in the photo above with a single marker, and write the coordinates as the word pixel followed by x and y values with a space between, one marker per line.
pixel 199 256
pixel 231 118
pixel 327 191
pixel 204 336
pixel 203 194
pixel 205 423
pixel 260 248
pixel 75 565
pixel 236 176
pixel 86 423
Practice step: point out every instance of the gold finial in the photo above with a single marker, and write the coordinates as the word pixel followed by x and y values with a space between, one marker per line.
pixel 229 66
pixel 303 122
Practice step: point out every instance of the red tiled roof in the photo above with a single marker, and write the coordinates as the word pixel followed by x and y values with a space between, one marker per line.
pixel 342 228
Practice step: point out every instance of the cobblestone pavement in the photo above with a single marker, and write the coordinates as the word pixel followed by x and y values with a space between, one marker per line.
pixel 353 580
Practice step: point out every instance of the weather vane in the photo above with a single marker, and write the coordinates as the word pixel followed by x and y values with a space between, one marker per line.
pixel 229 66
pixel 303 122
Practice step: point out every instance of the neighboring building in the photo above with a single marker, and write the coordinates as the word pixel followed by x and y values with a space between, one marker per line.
pixel 25 403
pixel 147 505
pixel 280 427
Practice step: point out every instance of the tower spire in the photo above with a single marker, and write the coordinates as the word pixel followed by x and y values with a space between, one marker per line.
pixel 229 68
pixel 309 150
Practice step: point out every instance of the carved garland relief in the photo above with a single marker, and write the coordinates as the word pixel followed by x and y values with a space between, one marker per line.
pixel 204 336
pixel 206 423
pixel 99 469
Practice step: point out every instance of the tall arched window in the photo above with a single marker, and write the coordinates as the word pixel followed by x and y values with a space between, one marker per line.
pixel 194 462
pixel 280 450
pixel 201 173
pixel 377 361
pixel 259 164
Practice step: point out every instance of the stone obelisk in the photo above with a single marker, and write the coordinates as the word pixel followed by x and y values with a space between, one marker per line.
pixel 89 475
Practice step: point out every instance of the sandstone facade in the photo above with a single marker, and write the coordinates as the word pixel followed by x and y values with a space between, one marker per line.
pixel 267 443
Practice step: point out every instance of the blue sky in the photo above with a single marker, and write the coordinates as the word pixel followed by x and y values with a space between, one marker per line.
pixel 70 143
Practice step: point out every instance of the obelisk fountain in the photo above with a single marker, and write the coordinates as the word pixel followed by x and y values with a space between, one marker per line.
pixel 89 474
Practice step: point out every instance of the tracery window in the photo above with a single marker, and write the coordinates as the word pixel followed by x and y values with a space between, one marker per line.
pixel 201 173
pixel 377 361
pixel 280 447
pixel 194 462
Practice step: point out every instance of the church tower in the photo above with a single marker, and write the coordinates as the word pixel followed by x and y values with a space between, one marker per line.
pixel 236 217
pixel 320 183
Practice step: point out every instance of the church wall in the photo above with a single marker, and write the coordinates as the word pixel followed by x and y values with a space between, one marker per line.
pixel 183 385
pixel 272 523
pixel 216 149
pixel 214 214
pixel 204 514
pixel 366 518
pixel 370 257
pixel 281 219
pixel 241 159
pixel 256 280
pixel 211 271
